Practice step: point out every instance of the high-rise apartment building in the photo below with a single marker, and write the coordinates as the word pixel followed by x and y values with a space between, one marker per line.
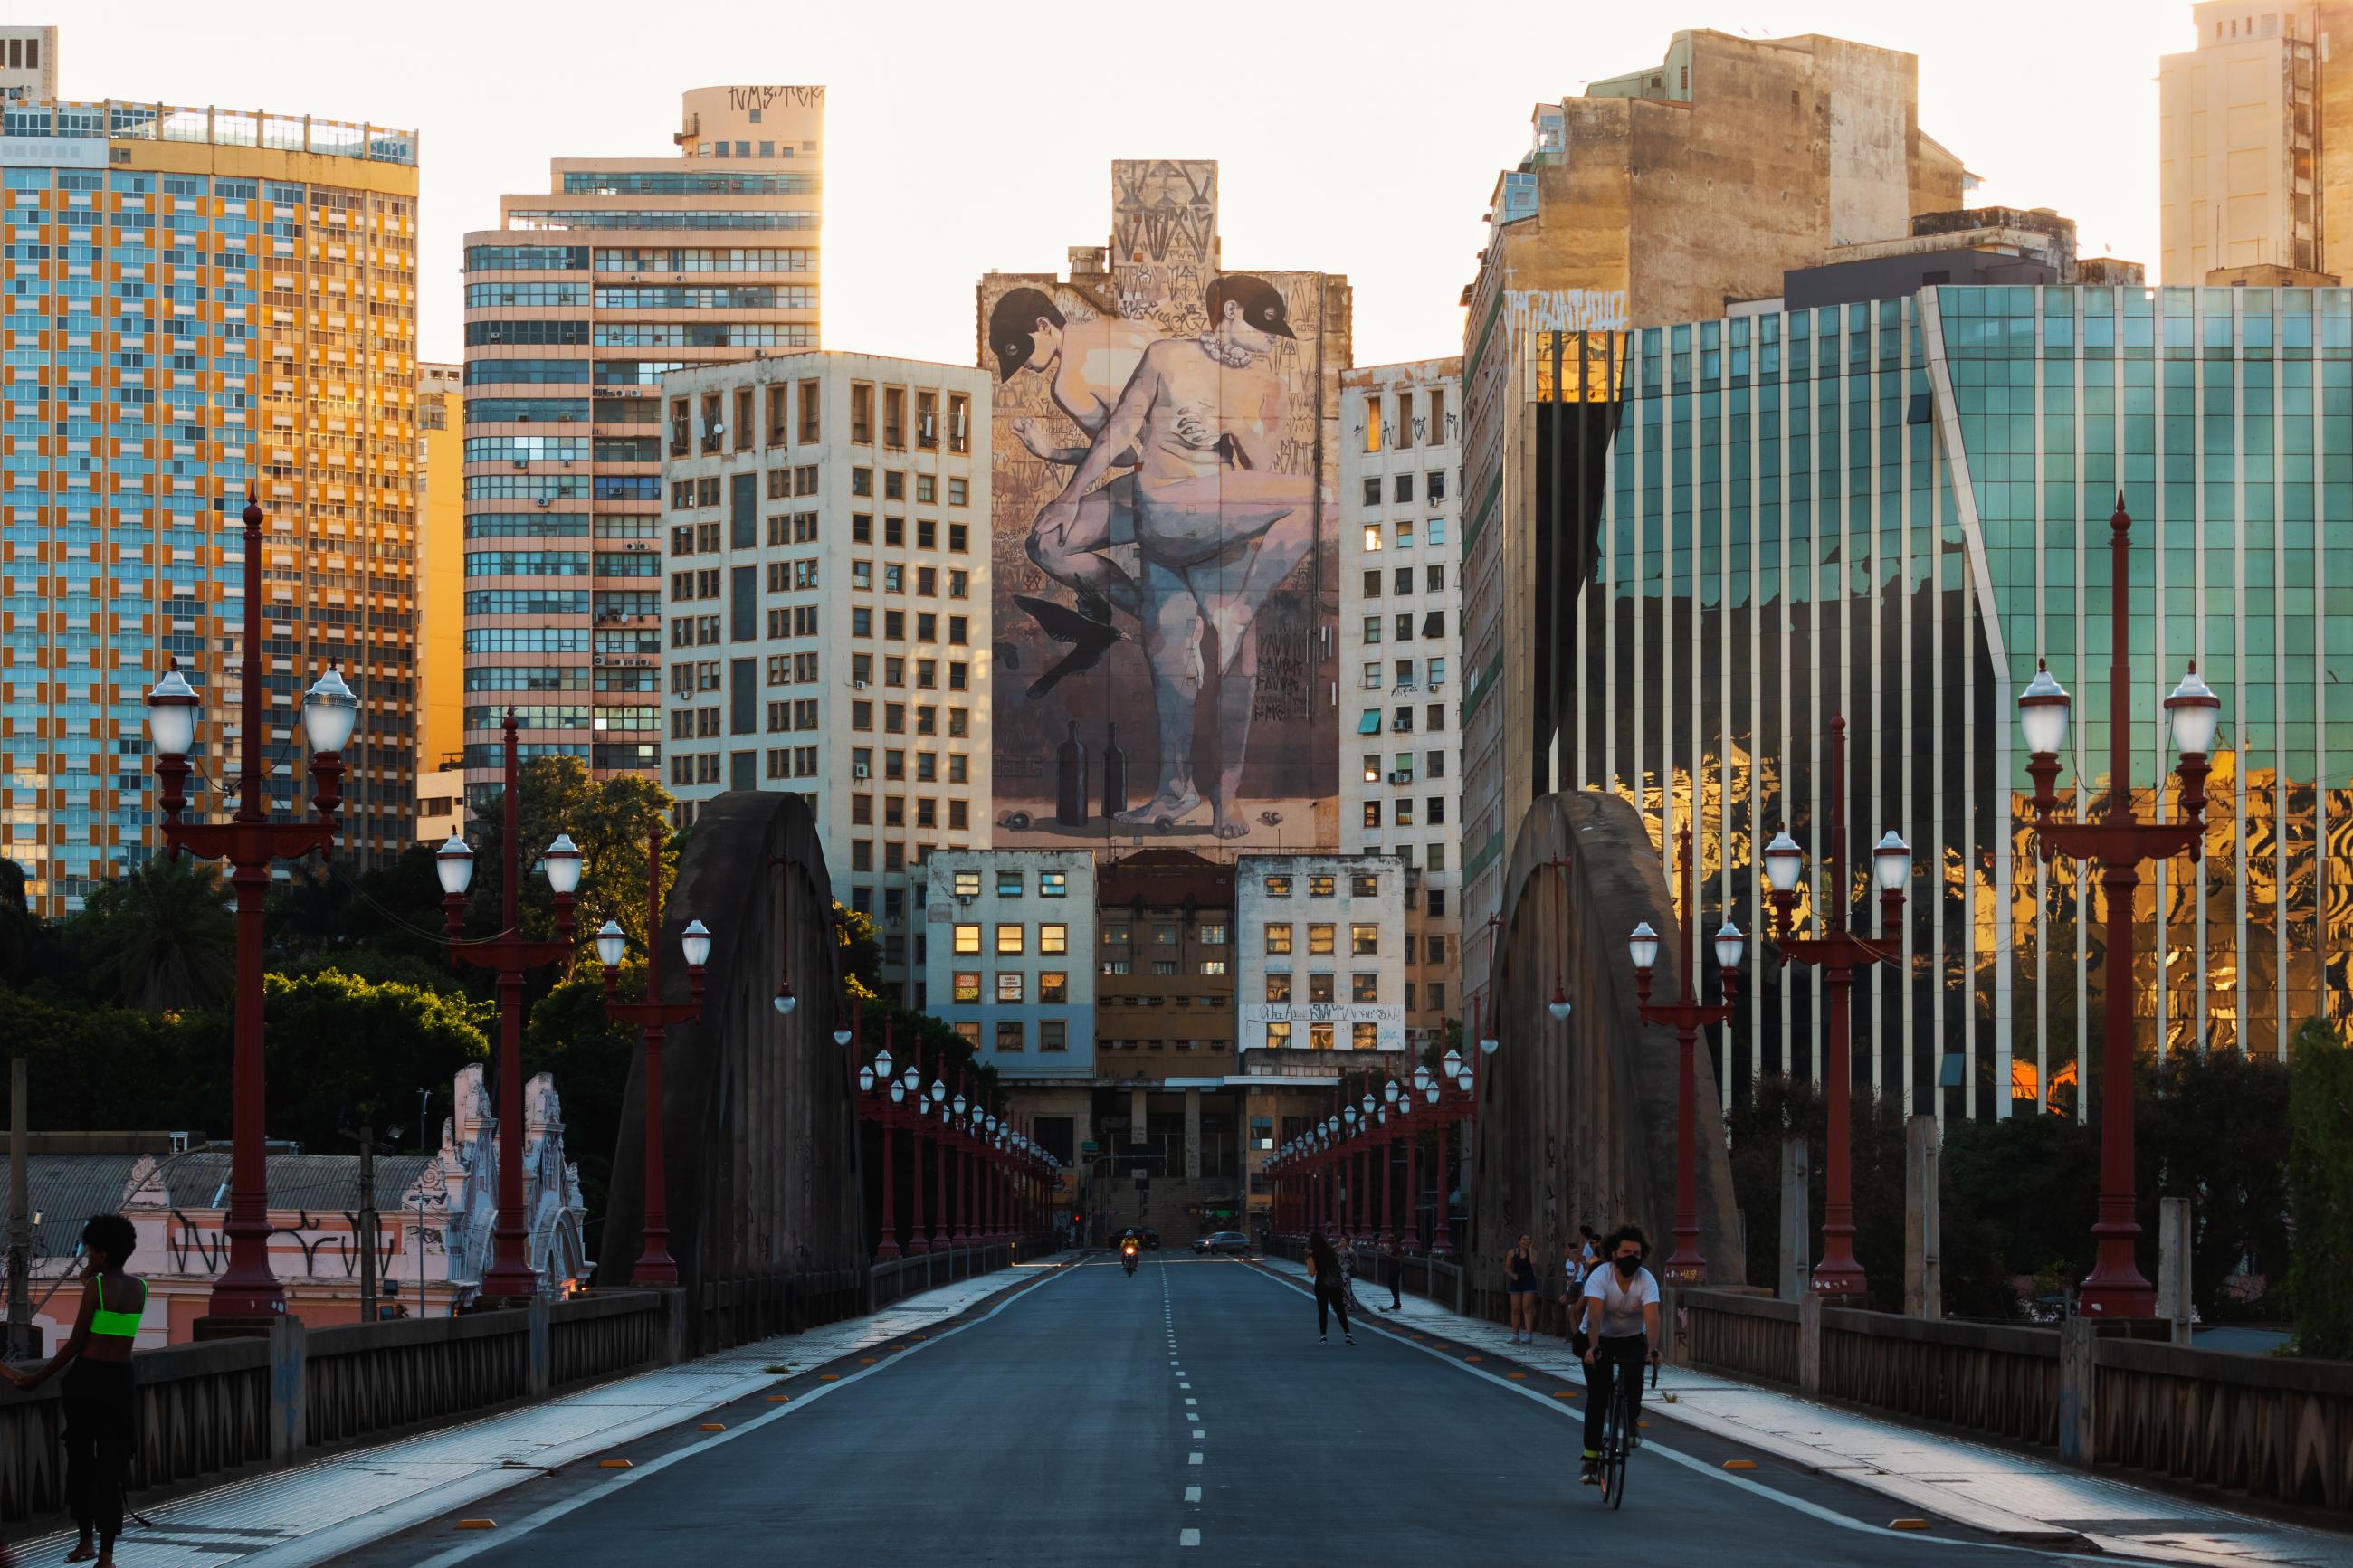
pixel 1401 661
pixel 1616 218
pixel 201 302
pixel 28 65
pixel 576 305
pixel 2255 140
pixel 825 589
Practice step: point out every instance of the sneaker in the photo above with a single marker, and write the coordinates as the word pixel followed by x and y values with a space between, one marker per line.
pixel 1323 1339
pixel 1350 1338
pixel 1591 1474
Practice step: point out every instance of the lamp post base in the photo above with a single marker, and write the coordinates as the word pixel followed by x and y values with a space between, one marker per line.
pixel 2115 1291
pixel 1685 1265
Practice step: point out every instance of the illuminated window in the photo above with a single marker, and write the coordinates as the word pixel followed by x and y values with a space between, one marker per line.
pixel 1054 986
pixel 1319 1037
pixel 1373 540
pixel 1278 938
pixel 1011 986
pixel 1319 988
pixel 967 986
pixel 1010 938
pixel 967 884
pixel 1278 887
pixel 1365 1036
pixel 1278 985
pixel 1319 938
pixel 1320 887
pixel 1277 1036
pixel 1053 939
pixel 1363 988
pixel 967 939
pixel 1364 939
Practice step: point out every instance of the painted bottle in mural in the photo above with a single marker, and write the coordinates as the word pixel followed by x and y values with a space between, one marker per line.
pixel 1070 780
pixel 1114 775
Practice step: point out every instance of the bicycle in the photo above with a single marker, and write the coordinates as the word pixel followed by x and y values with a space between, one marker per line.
pixel 1620 1434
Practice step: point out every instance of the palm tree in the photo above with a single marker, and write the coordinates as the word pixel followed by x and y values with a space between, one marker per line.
pixel 160 938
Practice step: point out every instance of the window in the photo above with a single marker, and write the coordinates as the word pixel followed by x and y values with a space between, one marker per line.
pixel 894 417
pixel 1321 885
pixel 1278 887
pixel 1364 939
pixel 1433 483
pixel 1372 583
pixel 1010 1032
pixel 1053 1035
pixel 1373 493
pixel 1374 681
pixel 1365 1036
pixel 1277 1036
pixel 1319 1037
pixel 1278 938
pixel 1213 934
pixel 1213 966
pixel 959 490
pixel 1404 813
pixel 861 413
pixel 1319 988
pixel 1372 814
pixel 1278 985
pixel 967 985
pixel 1054 986
pixel 1434 578
pixel 1053 885
pixel 1436 761
pixel 967 937
pixel 1164 936
pixel 1373 625
pixel 1365 884
pixel 1009 884
pixel 1403 487
pixel 1436 533
pixel 1053 939
pixel 1010 936
pixel 861 481
pixel 1363 988
pixel 1011 986
pixel 1369 721
pixel 969 1030
pixel 1373 542
pixel 1435 815
pixel 1320 938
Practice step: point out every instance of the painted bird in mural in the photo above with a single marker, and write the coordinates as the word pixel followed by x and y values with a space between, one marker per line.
pixel 1087 637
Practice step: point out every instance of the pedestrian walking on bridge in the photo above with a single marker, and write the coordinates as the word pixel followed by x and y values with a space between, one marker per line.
pixel 1331 1288
pixel 97 1399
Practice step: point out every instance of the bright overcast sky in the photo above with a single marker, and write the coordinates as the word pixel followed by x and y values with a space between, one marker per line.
pixel 1361 139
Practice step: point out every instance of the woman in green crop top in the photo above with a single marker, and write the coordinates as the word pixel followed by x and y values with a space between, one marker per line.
pixel 95 1360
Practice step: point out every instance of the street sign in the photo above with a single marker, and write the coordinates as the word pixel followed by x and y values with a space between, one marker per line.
pixel 1091 1147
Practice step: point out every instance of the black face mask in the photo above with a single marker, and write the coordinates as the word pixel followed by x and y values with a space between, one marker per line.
pixel 1626 1266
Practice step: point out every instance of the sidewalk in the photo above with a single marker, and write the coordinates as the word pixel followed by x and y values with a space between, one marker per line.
pixel 290 1519
pixel 2000 1491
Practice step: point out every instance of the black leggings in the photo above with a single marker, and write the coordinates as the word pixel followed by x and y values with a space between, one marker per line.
pixel 1330 1299
pixel 97 1445
pixel 1612 1358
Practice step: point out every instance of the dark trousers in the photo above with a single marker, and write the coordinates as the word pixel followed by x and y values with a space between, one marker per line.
pixel 1330 1297
pixel 1612 1358
pixel 97 1445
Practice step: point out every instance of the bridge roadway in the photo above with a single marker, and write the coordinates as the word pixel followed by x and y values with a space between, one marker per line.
pixel 1183 1415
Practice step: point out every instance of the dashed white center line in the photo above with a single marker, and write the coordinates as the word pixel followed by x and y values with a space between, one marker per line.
pixel 1192 1494
pixel 1192 1402
pixel 1194 1460
pixel 1188 1538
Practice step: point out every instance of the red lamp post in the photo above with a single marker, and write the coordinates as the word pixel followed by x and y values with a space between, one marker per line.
pixel 958 1108
pixel 653 1018
pixel 249 842
pixel 1687 1015
pixel 875 1081
pixel 2119 841
pixel 510 1279
pixel 943 1135
pixel 1838 953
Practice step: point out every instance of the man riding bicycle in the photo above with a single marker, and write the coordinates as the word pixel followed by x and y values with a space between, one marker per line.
pixel 1619 1317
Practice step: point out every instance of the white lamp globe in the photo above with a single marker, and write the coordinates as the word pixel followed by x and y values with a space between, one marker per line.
pixel 329 713
pixel 1730 944
pixel 2195 714
pixel 453 863
pixel 172 714
pixel 1642 946
pixel 1783 862
pixel 1891 861
pixel 561 861
pixel 2042 710
pixel 695 943
pixel 612 944
pixel 784 999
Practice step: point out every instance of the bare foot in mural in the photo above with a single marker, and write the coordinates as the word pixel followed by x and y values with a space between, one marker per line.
pixel 1176 807
pixel 1229 826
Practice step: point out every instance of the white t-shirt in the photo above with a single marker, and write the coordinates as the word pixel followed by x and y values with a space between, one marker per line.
pixel 1621 1304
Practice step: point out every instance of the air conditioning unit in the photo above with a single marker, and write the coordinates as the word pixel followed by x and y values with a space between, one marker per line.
pixel 1438 686
pixel 858 686
pixel 861 771
pixel 1401 776
pixel 598 658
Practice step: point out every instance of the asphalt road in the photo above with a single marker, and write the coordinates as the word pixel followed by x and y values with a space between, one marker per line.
pixel 1098 1418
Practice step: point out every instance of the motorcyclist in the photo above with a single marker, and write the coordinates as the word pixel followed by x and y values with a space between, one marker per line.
pixel 1128 1246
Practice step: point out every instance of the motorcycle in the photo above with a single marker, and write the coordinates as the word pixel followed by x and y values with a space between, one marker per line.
pixel 1127 1255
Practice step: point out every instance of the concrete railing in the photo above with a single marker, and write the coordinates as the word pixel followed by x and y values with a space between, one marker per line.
pixel 2267 1428
pixel 205 1412
pixel 903 1277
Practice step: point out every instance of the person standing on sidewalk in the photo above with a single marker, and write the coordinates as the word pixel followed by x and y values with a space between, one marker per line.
pixel 97 1398
pixel 1572 1266
pixel 1331 1288
pixel 1621 1312
pixel 1520 1288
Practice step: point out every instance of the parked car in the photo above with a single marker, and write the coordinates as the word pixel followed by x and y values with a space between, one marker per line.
pixel 1151 1237
pixel 1227 1241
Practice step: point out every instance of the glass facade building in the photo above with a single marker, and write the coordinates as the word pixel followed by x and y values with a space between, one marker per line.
pixel 1889 511
pixel 199 302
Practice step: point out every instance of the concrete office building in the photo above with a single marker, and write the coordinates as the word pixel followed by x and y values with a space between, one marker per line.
pixel 1401 660
pixel 1888 511
pixel 826 592
pixel 576 304
pixel 1615 217
pixel 2255 140
pixel 240 312
pixel 1007 939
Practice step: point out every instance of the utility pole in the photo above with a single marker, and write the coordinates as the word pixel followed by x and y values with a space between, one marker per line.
pixel 366 1136
pixel 20 1219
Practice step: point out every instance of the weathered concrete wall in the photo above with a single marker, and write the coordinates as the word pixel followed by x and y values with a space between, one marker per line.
pixel 757 1109
pixel 1577 1120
